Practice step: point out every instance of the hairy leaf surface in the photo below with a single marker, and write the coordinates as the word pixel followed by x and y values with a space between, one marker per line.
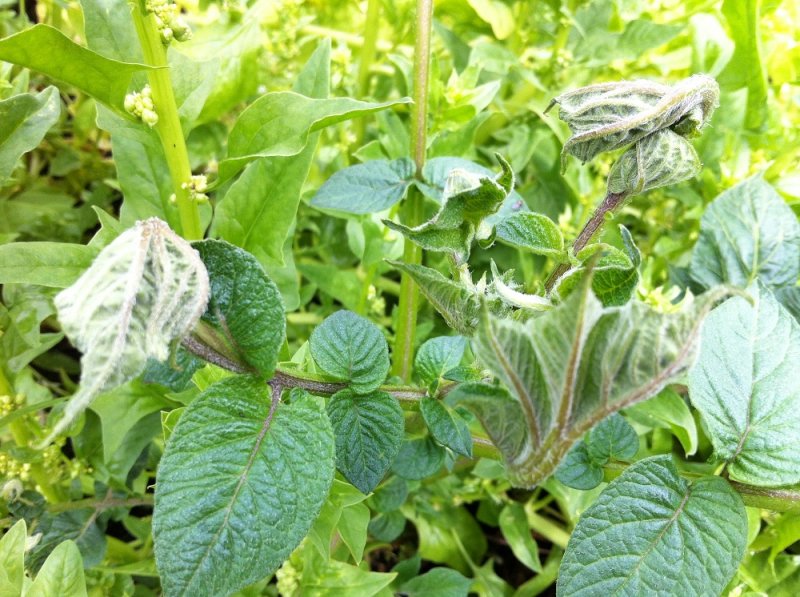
pixel 247 476
pixel 744 386
pixel 653 533
pixel 145 289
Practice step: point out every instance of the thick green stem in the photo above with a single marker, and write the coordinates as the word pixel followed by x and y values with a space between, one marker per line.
pixel 169 123
pixel 403 354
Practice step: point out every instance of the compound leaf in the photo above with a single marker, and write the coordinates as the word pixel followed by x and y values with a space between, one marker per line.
pixel 689 543
pixel 368 432
pixel 262 487
pixel 743 385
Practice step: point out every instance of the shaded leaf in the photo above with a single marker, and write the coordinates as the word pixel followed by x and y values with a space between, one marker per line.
pixel 26 118
pixel 437 356
pixel 612 439
pixel 446 426
pixel 515 529
pixel 437 582
pixel 366 188
pixel 418 458
pixel 578 470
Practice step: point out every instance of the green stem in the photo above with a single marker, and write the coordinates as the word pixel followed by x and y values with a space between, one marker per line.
pixel 368 53
pixel 169 123
pixel 403 354
pixel 100 505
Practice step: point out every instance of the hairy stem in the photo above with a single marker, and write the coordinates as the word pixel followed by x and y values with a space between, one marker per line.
pixel 169 124
pixel 403 354
pixel 610 203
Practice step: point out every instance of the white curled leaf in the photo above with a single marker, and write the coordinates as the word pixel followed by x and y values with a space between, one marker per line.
pixel 144 290
pixel 514 297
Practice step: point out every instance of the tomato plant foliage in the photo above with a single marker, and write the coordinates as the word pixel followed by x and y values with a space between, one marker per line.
pixel 293 308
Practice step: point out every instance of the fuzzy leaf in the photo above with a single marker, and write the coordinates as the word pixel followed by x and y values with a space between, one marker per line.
pixel 366 188
pixel 533 232
pixel 240 469
pixel 26 118
pixel 45 49
pixel 446 426
pixel 245 308
pixel 653 533
pixel 661 159
pixel 61 574
pixel 610 116
pixel 747 232
pixel 144 290
pixel 743 385
pixel 467 200
pixel 368 431
pixel 574 365
pixel 350 348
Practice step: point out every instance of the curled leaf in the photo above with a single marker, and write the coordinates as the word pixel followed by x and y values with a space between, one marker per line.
pixel 610 116
pixel 144 290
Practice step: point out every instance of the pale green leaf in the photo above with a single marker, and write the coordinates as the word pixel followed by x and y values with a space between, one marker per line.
pixel 668 410
pixel 514 526
pixel 350 348
pixel 747 232
pixel 366 188
pixel 498 14
pixel 533 232
pixel 45 49
pixel 145 289
pixel 338 579
pixel 12 559
pixel 61 574
pixel 26 118
pixel 574 365
pixel 446 426
pixel 743 385
pixel 45 263
pixel 437 582
pixel 278 124
pixel 245 307
pixel 352 529
pixel 653 533
pixel 368 432
pixel 262 487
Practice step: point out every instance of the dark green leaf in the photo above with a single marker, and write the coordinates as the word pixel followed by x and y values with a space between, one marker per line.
pixel 45 49
pixel 387 526
pixel 578 470
pixel 689 543
pixel 263 486
pixel 418 458
pixel 612 439
pixel 368 432
pixel 743 385
pixel 245 308
pixel 390 495
pixel 78 525
pixel 366 188
pixel 747 232
pixel 437 356
pixel 348 347
pixel 446 426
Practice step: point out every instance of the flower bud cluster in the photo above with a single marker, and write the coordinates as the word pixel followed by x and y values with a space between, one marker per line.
pixel 197 187
pixel 169 20
pixel 140 104
pixel 9 403
pixel 11 468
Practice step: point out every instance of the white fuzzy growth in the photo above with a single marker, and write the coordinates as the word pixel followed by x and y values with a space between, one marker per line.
pixel 516 298
pixel 145 289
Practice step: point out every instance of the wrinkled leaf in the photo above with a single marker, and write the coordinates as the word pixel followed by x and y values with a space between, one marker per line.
pixel 437 356
pixel 578 470
pixel 446 426
pixel 612 439
pixel 263 486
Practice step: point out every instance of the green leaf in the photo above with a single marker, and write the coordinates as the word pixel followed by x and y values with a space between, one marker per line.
pixel 350 348
pixel 12 559
pixel 278 124
pixel 145 289
pixel 437 356
pixel 368 432
pixel 61 574
pixel 79 526
pixel 263 486
pixel 259 210
pixel 689 543
pixel 743 386
pixel 387 526
pixel 45 263
pixel 661 159
pixel 352 529
pixel 533 232
pixel 437 582
pixel 612 439
pixel 418 458
pixel 467 200
pixel 48 51
pixel 337 579
pixel 26 118
pixel 515 528
pixel 245 307
pixel 446 426
pixel 574 365
pixel 366 188
pixel 747 232
pixel 668 410
pixel 578 470
pixel 390 495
